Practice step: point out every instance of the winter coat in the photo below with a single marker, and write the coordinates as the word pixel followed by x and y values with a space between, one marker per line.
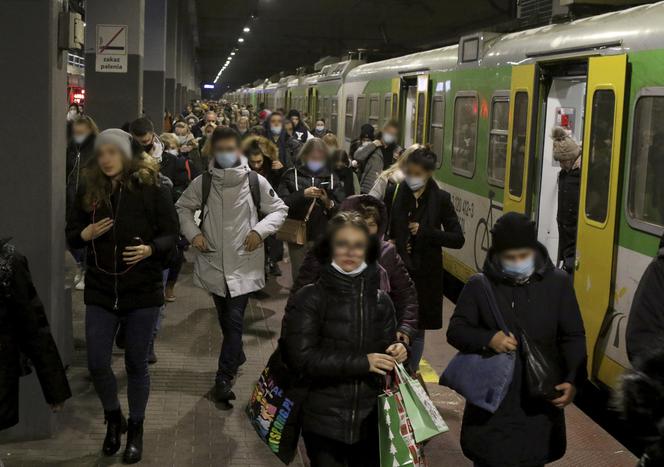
pixel 569 186
pixel 228 218
pixel 645 327
pixel 180 170
pixel 349 181
pixel 78 158
pixel 24 329
pixel 370 158
pixel 384 181
pixel 281 142
pixel 293 146
pixel 292 193
pixel 398 283
pixel 327 332
pixel 425 260
pixel 145 211
pixel 523 431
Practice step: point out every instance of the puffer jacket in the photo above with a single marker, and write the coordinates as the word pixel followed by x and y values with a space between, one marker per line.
pixel 398 283
pixel 229 216
pixel 327 332
pixel 78 158
pixel 370 158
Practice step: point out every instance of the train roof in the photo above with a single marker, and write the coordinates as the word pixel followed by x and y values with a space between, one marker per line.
pixel 430 60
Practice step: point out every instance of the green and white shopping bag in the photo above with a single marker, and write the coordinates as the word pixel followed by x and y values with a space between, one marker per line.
pixel 397 443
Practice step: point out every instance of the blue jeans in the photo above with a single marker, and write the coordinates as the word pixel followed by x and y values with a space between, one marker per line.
pixel 230 311
pixel 101 326
pixel 416 350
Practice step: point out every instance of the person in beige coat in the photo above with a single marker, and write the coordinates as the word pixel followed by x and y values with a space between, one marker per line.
pixel 230 260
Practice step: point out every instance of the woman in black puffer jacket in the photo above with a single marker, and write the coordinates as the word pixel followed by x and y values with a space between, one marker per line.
pixel 340 335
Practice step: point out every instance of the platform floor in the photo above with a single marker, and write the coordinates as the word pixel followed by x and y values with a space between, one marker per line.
pixel 185 428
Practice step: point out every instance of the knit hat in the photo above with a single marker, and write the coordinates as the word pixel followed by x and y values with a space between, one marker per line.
pixel 293 113
pixel 367 131
pixel 116 137
pixel 513 231
pixel 564 147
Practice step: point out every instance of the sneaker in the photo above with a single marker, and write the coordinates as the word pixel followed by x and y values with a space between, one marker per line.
pixel 275 270
pixel 223 391
pixel 169 294
pixel 80 284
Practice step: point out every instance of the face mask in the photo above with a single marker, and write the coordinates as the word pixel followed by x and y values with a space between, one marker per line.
pixel 79 139
pixel 276 130
pixel 389 138
pixel 355 272
pixel 71 114
pixel 172 152
pixel 226 160
pixel 182 139
pixel 320 128
pixel 415 183
pixel 315 166
pixel 519 270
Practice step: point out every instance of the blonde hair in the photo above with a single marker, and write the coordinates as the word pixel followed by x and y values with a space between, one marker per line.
pixel 170 139
pixel 400 164
pixel 330 139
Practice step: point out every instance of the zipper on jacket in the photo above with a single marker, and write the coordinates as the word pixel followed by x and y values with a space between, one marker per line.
pixel 356 389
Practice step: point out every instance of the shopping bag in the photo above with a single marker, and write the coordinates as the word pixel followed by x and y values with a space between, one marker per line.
pixel 274 408
pixel 396 441
pixel 424 417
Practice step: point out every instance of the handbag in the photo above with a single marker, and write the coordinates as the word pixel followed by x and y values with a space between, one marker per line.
pixel 482 379
pixel 295 230
pixel 274 408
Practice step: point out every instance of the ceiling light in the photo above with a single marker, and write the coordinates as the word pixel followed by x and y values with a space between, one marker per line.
pixel 232 53
pixel 246 29
pixel 240 39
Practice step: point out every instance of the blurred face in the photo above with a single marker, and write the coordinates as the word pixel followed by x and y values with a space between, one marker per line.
pixel 373 225
pixel 295 119
pixel 288 125
pixel 181 130
pixel 417 171
pixel 517 255
pixel 208 131
pixel 320 125
pixel 110 160
pixel 80 131
pixel 276 123
pixel 256 162
pixel 389 135
pixel 226 146
pixel 145 140
pixel 317 156
pixel 349 248
pixel 243 124
pixel 210 117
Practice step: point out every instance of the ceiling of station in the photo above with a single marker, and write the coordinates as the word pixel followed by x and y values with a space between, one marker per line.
pixel 287 34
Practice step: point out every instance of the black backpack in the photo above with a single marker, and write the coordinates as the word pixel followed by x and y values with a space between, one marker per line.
pixel 254 188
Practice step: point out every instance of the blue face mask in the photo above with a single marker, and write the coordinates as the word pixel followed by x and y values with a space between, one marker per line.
pixel 315 166
pixel 226 160
pixel 519 270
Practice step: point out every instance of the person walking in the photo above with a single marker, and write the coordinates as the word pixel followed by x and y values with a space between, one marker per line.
pixel 377 156
pixel 127 221
pixel 230 260
pixel 537 299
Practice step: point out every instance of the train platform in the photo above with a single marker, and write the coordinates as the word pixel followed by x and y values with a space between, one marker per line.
pixel 184 427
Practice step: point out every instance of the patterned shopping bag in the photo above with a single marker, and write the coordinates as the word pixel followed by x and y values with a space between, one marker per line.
pixel 397 443
pixel 422 413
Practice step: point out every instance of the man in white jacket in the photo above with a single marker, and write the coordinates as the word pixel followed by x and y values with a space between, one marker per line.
pixel 230 265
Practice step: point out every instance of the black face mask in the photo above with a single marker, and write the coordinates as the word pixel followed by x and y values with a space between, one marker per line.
pixel 148 147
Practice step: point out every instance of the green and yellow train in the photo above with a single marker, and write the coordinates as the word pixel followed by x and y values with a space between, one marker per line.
pixel 487 106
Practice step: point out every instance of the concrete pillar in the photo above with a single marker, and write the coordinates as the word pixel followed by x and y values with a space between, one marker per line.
pixel 33 206
pixel 171 54
pixel 115 98
pixel 154 64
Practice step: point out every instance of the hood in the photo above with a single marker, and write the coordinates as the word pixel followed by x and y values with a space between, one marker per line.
pixel 367 131
pixel 268 148
pixel 493 269
pixel 229 177
pixel 353 202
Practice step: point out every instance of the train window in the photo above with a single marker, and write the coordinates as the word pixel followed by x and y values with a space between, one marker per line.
pixel 646 190
pixel 395 105
pixel 519 136
pixel 361 114
pixel 437 130
pixel 421 114
pixel 464 139
pixel 348 129
pixel 500 109
pixel 374 110
pixel 334 113
pixel 599 165
pixel 387 110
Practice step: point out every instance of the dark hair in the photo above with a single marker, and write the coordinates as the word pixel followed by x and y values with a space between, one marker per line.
pixel 321 119
pixel 269 119
pixel 141 126
pixel 369 211
pixel 424 157
pixel 254 149
pixel 339 155
pixel 323 249
pixel 88 121
pixel 257 130
pixel 222 133
pixel 392 123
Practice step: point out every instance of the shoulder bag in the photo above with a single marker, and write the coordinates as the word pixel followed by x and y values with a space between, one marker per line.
pixel 295 230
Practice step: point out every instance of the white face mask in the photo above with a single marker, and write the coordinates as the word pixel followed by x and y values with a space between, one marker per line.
pixel 415 183
pixel 276 130
pixel 79 139
pixel 355 272
pixel 389 138
pixel 182 139
pixel 320 128
pixel 172 152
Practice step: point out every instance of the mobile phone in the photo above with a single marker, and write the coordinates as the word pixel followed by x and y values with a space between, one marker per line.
pixel 324 185
pixel 136 241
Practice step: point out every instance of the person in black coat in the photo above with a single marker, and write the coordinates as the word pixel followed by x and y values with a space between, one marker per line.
pixel 24 330
pixel 129 225
pixel 534 296
pixel 300 130
pixel 422 222
pixel 310 189
pixel 645 326
pixel 339 334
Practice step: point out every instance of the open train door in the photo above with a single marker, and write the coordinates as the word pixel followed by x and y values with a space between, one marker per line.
pixel 598 208
pixel 520 139
pixel 422 109
pixel 394 105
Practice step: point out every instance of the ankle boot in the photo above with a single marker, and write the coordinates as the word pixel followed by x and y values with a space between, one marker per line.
pixel 134 449
pixel 116 426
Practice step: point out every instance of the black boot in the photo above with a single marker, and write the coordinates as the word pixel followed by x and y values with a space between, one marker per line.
pixel 223 391
pixel 134 449
pixel 116 426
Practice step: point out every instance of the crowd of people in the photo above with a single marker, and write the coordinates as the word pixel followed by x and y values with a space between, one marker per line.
pixel 364 231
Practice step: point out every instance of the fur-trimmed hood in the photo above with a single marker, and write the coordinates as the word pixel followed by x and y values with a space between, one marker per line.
pixel 268 148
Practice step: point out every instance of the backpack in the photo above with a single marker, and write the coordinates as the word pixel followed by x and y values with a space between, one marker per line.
pixel 254 188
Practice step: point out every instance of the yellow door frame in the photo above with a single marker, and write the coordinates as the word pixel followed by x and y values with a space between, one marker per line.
pixel 595 248
pixel 523 80
pixel 396 91
pixel 422 89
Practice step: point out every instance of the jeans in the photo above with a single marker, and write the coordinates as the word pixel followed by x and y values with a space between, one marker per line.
pixel 101 326
pixel 416 350
pixel 230 311
pixel 326 452
pixel 162 309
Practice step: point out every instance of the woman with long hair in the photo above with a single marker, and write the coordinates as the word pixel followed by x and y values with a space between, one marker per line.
pixel 129 225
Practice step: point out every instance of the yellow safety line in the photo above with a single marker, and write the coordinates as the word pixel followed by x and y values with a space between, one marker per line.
pixel 429 375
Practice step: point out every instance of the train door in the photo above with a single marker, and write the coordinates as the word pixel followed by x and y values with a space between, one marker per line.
pixel 422 109
pixel 520 139
pixel 312 107
pixel 395 96
pixel 599 202
pixel 565 104
pixel 409 110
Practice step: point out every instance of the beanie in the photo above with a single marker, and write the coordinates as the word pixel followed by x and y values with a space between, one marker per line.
pixel 367 131
pixel 293 113
pixel 513 231
pixel 564 147
pixel 118 138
